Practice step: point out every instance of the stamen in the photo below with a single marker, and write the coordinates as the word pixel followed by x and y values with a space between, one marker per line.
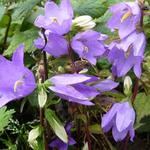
pixel 17 83
pixel 53 19
pixel 126 15
pixel 85 49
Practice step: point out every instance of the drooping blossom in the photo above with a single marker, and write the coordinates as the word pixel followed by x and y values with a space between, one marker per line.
pixel 89 45
pixel 56 44
pixel 122 62
pixel 76 87
pixel 126 16
pixel 136 40
pixel 16 81
pixel 57 19
pixel 60 145
pixel 120 118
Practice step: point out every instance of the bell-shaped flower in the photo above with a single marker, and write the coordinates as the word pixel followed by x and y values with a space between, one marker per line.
pixel 122 62
pixel 126 16
pixel 16 81
pixel 135 40
pixel 120 118
pixel 72 87
pixel 60 145
pixel 89 45
pixel 57 19
pixel 79 88
pixel 56 44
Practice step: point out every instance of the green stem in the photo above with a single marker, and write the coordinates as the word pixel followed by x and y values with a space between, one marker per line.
pixel 6 33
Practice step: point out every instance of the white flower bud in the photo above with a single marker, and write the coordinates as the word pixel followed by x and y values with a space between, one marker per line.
pixel 33 134
pixel 42 98
pixel 85 22
pixel 127 85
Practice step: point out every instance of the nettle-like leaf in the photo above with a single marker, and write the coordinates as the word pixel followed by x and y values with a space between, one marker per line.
pixel 56 125
pixel 2 11
pixel 94 8
pixel 27 37
pixel 23 9
pixel 5 116
pixel 142 107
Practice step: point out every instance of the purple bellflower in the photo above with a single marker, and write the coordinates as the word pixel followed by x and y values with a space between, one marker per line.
pixel 135 40
pixel 120 118
pixel 56 44
pixel 126 16
pixel 57 19
pixel 76 87
pixel 89 45
pixel 57 143
pixel 16 81
pixel 122 62
pixel 71 87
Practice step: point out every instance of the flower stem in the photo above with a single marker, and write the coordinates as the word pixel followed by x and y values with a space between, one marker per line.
pixel 6 33
pixel 70 53
pixel 44 76
pixel 135 90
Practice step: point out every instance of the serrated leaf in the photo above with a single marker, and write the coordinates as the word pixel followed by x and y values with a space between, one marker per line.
pixel 2 11
pixel 56 125
pixel 23 9
pixel 142 107
pixel 94 8
pixel 27 37
pixel 5 116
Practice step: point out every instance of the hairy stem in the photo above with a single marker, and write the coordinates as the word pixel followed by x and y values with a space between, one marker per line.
pixel 44 77
pixel 135 90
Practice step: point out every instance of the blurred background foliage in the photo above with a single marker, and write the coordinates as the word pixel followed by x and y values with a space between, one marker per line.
pixel 16 26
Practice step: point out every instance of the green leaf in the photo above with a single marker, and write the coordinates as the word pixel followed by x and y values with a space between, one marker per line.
pixel 94 8
pixel 2 11
pixel 5 116
pixel 95 129
pixel 26 37
pixel 56 125
pixel 23 9
pixel 142 107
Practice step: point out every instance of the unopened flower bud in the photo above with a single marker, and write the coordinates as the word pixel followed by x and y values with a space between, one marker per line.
pixel 33 134
pixel 42 98
pixel 85 22
pixel 127 85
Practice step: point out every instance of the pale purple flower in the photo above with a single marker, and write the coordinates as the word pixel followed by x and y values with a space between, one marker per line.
pixel 122 62
pixel 71 87
pixel 106 85
pixel 135 40
pixel 126 16
pixel 16 81
pixel 76 87
pixel 57 143
pixel 56 44
pixel 120 118
pixel 89 45
pixel 57 19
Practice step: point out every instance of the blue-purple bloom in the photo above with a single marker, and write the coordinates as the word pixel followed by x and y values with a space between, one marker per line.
pixel 57 143
pixel 120 118
pixel 16 81
pixel 135 40
pixel 89 45
pixel 126 16
pixel 76 87
pixel 57 19
pixel 122 62
pixel 56 44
